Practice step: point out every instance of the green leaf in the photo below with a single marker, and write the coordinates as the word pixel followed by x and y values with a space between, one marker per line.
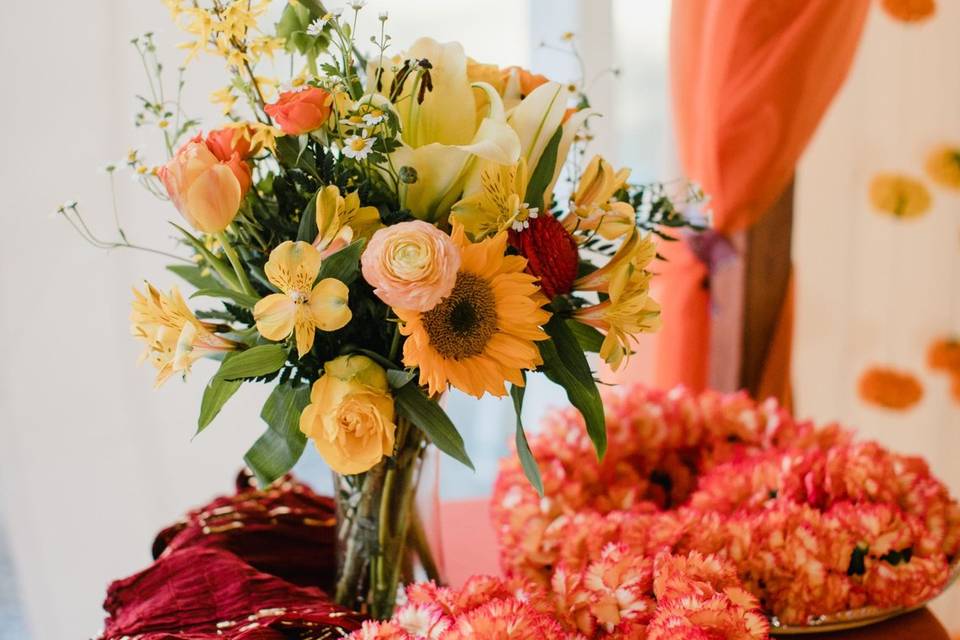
pixel 344 265
pixel 565 363
pixel 242 299
pixel 257 361
pixel 220 266
pixel 527 461
pixel 281 445
pixel 308 221
pixel 543 174
pixel 216 394
pixel 433 421
pixel 194 275
pixel 399 377
pixel 589 338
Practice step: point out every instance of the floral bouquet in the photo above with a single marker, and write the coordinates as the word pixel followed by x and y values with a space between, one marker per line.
pixel 376 230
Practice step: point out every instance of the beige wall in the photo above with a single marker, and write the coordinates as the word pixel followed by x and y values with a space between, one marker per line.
pixel 872 289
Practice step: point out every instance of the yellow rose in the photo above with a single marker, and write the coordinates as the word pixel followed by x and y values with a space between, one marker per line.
pixel 350 415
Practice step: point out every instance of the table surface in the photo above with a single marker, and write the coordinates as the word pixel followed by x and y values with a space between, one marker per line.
pixel 470 548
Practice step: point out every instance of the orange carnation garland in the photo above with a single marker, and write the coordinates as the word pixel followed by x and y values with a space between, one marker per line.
pixel 813 522
pixel 910 10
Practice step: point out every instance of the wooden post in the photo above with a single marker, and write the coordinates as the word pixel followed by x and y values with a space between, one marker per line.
pixel 766 277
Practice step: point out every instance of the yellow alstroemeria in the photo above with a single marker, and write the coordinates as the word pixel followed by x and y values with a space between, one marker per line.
pixel 635 254
pixel 341 220
pixel 499 205
pixel 302 307
pixel 175 337
pixel 629 310
pixel 442 133
pixel 593 208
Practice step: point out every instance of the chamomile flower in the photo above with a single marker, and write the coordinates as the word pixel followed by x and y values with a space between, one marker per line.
pixel 356 5
pixel 383 16
pixel 373 117
pixel 316 27
pixel 521 224
pixel 358 147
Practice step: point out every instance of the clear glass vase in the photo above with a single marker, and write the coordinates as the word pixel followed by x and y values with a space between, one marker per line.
pixel 387 531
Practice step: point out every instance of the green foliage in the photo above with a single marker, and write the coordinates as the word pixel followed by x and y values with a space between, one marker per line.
pixel 543 173
pixel 565 363
pixel 427 416
pixel 527 461
pixel 242 299
pixel 589 338
pixel 294 21
pixel 194 275
pixel 215 395
pixel 254 362
pixel 282 444
pixel 344 265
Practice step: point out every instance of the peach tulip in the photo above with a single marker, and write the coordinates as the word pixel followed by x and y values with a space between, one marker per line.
pixel 205 189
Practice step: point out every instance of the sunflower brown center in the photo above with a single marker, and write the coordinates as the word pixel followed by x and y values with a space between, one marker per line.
pixel 462 324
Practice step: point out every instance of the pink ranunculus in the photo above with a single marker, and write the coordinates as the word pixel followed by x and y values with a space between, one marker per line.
pixel 303 111
pixel 206 190
pixel 411 265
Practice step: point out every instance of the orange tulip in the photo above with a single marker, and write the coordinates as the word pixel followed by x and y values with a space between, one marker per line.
pixel 224 142
pixel 206 190
pixel 303 111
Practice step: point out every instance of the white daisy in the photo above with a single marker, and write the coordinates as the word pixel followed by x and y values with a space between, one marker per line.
pixel 316 27
pixel 383 16
pixel 373 117
pixel 356 5
pixel 358 147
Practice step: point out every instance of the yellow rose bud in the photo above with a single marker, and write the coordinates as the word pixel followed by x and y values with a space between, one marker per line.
pixel 350 415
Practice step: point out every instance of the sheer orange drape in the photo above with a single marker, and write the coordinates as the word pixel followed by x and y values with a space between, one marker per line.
pixel 750 80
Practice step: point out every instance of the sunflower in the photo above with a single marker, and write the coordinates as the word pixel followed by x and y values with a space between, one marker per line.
pixel 483 333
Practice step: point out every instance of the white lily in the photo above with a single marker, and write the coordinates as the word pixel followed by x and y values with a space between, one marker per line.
pixel 535 120
pixel 443 133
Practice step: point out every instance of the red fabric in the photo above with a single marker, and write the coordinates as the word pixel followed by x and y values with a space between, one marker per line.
pixel 244 566
pixel 286 530
pixel 750 80
pixel 209 593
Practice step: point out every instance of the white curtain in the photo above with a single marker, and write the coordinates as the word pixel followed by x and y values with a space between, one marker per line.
pixel 872 289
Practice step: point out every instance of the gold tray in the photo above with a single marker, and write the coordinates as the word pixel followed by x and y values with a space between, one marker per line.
pixel 855 618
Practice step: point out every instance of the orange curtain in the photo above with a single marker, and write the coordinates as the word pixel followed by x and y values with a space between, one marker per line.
pixel 750 81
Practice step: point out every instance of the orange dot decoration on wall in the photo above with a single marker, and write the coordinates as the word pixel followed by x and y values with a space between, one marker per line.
pixel 943 354
pixel 943 166
pixel 890 388
pixel 899 195
pixel 910 10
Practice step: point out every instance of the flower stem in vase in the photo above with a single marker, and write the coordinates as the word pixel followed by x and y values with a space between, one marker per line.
pixel 378 534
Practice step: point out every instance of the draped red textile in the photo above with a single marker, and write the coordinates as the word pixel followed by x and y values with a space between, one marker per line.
pixel 750 81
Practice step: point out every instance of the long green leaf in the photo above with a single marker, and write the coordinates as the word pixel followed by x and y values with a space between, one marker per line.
pixel 224 270
pixel 543 174
pixel 216 394
pixel 194 275
pixel 565 363
pixel 308 221
pixel 344 265
pixel 589 338
pixel 281 445
pixel 242 299
pixel 433 421
pixel 527 461
pixel 257 361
